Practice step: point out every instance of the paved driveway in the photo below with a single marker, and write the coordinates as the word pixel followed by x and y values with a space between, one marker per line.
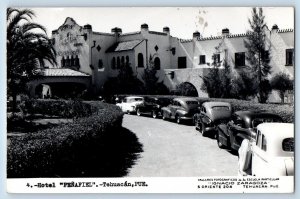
pixel 172 150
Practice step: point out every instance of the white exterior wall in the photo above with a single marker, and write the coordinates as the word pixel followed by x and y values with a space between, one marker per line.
pixel 64 45
pixel 192 49
pixel 280 42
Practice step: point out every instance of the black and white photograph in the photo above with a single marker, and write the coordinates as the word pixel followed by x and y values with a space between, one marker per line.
pixel 195 95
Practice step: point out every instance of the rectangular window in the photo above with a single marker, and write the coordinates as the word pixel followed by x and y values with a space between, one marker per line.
pixel 181 62
pixel 202 59
pixel 239 59
pixel 289 54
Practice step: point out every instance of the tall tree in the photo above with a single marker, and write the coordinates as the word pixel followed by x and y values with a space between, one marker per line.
pixel 152 85
pixel 258 54
pixel 28 47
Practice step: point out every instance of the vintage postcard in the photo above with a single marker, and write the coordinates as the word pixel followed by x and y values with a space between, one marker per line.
pixel 176 100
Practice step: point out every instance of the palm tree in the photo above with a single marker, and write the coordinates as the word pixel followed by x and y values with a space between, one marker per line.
pixel 28 48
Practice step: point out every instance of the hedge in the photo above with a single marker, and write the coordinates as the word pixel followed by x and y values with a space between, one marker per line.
pixel 59 151
pixel 60 108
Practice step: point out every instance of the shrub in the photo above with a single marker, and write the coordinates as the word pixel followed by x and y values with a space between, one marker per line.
pixel 282 83
pixel 60 151
pixel 60 108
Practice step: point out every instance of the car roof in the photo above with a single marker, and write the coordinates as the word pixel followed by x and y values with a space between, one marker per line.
pixel 211 104
pixel 184 99
pixel 130 97
pixel 250 114
pixel 281 130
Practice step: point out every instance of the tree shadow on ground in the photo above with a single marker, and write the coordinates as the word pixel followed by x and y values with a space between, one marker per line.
pixel 109 155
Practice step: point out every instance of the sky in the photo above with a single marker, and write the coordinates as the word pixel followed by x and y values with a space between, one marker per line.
pixel 182 21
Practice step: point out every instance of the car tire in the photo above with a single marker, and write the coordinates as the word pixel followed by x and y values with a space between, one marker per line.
pixel 128 112
pixel 178 119
pixel 203 133
pixel 138 113
pixel 220 144
pixel 164 116
pixel 154 114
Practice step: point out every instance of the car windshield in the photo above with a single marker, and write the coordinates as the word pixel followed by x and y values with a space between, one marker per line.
pixel 288 145
pixel 164 101
pixel 258 121
pixel 134 99
pixel 192 102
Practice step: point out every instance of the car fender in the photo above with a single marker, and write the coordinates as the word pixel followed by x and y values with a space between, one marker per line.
pixel 243 136
pixel 245 156
pixel 166 110
pixel 222 128
pixel 180 112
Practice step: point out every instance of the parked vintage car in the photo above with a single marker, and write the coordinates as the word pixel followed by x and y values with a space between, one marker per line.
pixel 212 114
pixel 242 126
pixel 152 106
pixel 128 104
pixel 182 108
pixel 271 153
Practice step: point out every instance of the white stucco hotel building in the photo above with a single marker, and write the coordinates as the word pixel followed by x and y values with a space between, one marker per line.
pixel 90 57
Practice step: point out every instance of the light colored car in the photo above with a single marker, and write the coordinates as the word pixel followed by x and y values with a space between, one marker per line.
pixel 128 104
pixel 271 153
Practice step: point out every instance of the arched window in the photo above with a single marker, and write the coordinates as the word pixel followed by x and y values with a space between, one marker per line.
pixel 77 61
pixel 100 63
pixel 118 62
pixel 140 60
pixel 157 63
pixel 122 61
pixel 72 61
pixel 68 62
pixel 113 63
pixel 127 61
pixel 62 62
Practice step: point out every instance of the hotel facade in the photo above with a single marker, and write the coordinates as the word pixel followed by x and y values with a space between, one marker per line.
pixel 89 58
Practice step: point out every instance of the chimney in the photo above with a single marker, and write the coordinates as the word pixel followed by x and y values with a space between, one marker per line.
pixel 225 32
pixel 275 28
pixel 196 35
pixel 166 30
pixel 116 31
pixel 144 27
pixel 87 28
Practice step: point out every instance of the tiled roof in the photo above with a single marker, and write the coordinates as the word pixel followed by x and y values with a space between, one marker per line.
pixel 123 46
pixel 62 72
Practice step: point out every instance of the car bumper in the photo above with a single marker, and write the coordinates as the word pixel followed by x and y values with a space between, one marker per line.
pixel 210 129
pixel 186 118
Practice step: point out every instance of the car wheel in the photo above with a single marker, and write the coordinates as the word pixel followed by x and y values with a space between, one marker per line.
pixel 128 112
pixel 164 116
pixel 220 144
pixel 202 130
pixel 178 119
pixel 138 112
pixel 154 114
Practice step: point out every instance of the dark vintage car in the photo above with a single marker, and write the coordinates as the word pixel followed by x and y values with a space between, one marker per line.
pixel 242 126
pixel 181 109
pixel 211 115
pixel 152 106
